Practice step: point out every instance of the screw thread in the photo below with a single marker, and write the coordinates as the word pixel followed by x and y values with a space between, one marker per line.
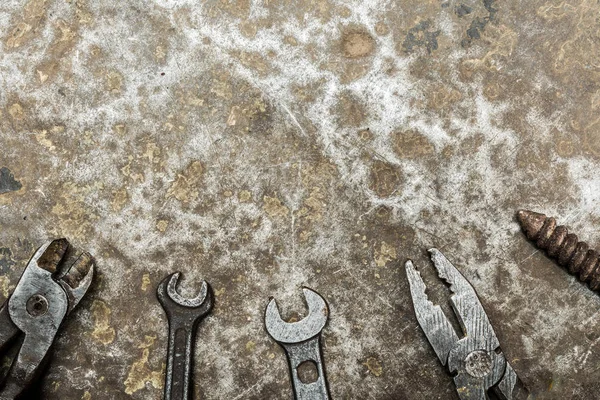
pixel 563 246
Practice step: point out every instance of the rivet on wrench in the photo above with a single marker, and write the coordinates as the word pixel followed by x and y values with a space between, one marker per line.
pixel 302 344
pixel 184 315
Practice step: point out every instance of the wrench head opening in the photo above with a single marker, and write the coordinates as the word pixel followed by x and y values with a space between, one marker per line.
pixel 170 298
pixel 296 332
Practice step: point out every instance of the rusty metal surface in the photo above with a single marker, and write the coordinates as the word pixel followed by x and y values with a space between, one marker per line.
pixel 267 145
pixel 563 246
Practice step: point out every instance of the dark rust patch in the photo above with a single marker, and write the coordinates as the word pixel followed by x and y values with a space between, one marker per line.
pixel 421 35
pixel 385 179
pixel 356 44
pixel 8 183
pixel 462 10
pixel 479 23
pixel 6 260
pixel 411 144
pixel 351 110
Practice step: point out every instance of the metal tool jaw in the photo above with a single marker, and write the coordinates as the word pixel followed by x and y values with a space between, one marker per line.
pixel 301 341
pixel 476 358
pixel 37 308
pixel 173 302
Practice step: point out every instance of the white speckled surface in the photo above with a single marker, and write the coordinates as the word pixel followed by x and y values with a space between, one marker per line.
pixel 268 145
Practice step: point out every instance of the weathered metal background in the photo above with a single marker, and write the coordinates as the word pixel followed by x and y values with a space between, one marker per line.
pixel 273 144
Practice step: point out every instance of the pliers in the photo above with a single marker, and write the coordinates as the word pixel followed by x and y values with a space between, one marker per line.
pixel 476 358
pixel 37 308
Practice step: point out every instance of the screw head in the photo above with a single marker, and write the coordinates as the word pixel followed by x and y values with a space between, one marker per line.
pixel 478 363
pixel 37 305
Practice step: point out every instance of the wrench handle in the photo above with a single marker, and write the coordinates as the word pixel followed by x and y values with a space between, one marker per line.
pixel 308 351
pixel 180 356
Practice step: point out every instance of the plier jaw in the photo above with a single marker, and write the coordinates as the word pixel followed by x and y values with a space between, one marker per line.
pixel 475 358
pixel 42 299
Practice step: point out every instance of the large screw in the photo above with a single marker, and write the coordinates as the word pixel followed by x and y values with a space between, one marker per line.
pixel 562 246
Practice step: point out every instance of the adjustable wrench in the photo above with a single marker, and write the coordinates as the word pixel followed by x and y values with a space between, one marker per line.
pixel 302 344
pixel 183 315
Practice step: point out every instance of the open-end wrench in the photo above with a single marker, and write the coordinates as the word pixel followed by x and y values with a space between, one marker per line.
pixel 183 315
pixel 302 344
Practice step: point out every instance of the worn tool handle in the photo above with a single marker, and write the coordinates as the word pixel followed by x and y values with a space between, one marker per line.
pixel 180 356
pixel 510 387
pixel 298 353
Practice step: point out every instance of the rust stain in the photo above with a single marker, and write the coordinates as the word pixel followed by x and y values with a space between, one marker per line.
pixel 103 332
pixel 140 372
pixel 274 208
pixel 187 184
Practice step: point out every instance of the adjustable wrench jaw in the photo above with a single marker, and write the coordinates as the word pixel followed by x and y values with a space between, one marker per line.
pixel 302 343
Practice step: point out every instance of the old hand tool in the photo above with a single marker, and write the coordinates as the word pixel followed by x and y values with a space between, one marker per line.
pixel 302 344
pixel 184 315
pixel 476 358
pixel 37 308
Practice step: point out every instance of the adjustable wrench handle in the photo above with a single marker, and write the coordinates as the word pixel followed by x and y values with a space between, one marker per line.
pixel 308 351
pixel 180 355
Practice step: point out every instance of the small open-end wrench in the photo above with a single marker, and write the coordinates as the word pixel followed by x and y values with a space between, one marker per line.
pixel 183 315
pixel 302 344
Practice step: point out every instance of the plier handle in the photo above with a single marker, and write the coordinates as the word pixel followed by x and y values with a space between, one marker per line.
pixel 36 309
